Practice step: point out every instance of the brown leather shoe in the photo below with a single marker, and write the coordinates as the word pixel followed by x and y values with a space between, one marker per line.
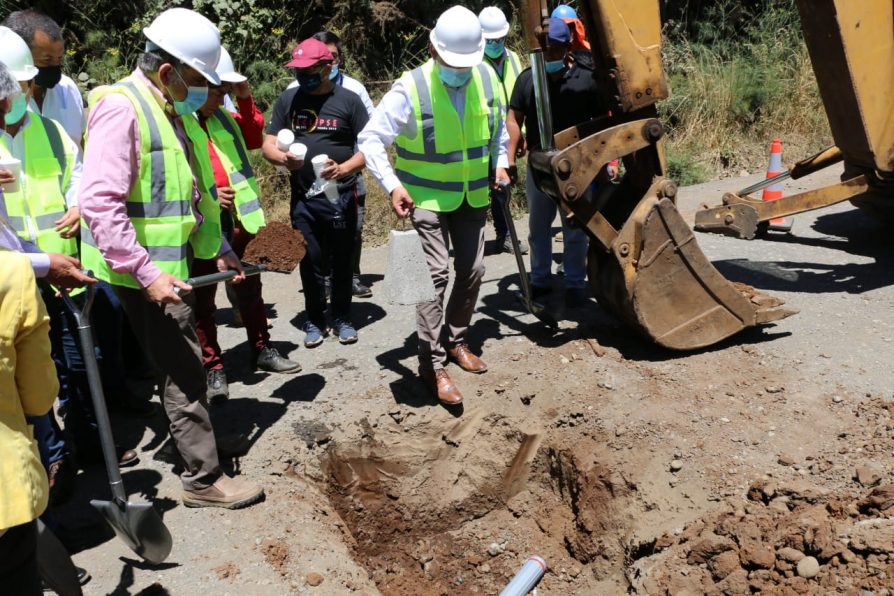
pixel 441 386
pixel 463 356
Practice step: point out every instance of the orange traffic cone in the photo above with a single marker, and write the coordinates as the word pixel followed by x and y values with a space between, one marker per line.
pixel 774 192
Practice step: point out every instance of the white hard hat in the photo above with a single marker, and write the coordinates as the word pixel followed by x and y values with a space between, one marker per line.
pixel 226 70
pixel 493 23
pixel 189 37
pixel 457 38
pixel 14 53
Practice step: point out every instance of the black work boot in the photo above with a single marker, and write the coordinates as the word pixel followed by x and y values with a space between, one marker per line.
pixel 270 360
pixel 217 385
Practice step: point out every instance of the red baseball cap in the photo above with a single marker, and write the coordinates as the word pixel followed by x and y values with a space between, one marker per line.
pixel 309 52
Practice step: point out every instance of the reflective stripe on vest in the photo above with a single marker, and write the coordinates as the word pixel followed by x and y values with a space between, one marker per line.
pixel 448 160
pixel 233 154
pixel 511 70
pixel 160 201
pixel 40 201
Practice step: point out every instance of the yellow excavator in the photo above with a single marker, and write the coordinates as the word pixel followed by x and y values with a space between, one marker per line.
pixel 645 265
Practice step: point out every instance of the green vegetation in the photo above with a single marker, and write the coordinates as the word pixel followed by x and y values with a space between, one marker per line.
pixel 738 70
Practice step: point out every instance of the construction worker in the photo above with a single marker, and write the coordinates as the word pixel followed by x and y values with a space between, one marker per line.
pixel 326 118
pixel 149 203
pixel 53 94
pixel 574 98
pixel 232 135
pixel 446 120
pixel 507 66
pixel 333 42
pixel 580 47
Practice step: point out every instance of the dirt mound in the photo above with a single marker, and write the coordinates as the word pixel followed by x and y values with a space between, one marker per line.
pixel 795 536
pixel 277 246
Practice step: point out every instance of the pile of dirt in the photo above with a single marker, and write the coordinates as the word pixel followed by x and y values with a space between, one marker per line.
pixel 277 246
pixel 823 530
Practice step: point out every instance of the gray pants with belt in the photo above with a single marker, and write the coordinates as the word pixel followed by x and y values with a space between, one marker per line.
pixel 436 326
pixel 167 334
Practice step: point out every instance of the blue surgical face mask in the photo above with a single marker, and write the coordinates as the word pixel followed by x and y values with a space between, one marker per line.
pixel 554 66
pixel 454 77
pixel 17 109
pixel 494 48
pixel 334 74
pixel 308 83
pixel 195 98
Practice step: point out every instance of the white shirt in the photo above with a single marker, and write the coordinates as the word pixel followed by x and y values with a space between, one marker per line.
pixel 394 115
pixel 16 146
pixel 64 104
pixel 350 84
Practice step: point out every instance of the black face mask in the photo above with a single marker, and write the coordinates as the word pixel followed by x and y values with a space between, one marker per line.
pixel 48 76
pixel 308 83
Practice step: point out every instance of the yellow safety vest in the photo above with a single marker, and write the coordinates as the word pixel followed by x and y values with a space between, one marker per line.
pixel 40 200
pixel 448 159
pixel 160 203
pixel 511 69
pixel 233 154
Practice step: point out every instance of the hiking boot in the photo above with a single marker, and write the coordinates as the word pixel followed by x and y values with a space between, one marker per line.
pixel 217 384
pixel 229 493
pixel 270 360
pixel 360 291
pixel 313 336
pixel 346 332
pixel 504 244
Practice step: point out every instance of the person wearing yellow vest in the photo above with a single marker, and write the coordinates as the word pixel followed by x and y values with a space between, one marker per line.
pixel 446 120
pixel 507 66
pixel 149 202
pixel 231 136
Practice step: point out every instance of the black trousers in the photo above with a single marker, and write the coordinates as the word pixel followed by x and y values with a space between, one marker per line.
pixel 18 561
pixel 330 230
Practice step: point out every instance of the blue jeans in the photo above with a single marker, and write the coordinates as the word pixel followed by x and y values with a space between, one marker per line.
pixel 541 213
pixel 50 441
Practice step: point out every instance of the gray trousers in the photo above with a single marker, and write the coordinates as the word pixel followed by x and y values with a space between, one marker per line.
pixel 436 326
pixel 167 334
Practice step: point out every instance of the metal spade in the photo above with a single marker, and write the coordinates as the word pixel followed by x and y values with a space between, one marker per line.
pixel 138 525
pixel 502 197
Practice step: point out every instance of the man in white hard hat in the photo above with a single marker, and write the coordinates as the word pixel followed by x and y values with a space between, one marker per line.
pixel 53 94
pixel 149 202
pixel 231 136
pixel 507 66
pixel 441 179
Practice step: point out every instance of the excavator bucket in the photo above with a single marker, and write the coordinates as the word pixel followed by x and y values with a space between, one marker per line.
pixel 666 287
pixel 645 265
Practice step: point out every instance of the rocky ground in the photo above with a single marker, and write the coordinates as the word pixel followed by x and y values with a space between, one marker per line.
pixel 761 464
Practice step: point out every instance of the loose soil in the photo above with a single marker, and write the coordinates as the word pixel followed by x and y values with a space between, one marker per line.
pixel 277 246
pixel 630 469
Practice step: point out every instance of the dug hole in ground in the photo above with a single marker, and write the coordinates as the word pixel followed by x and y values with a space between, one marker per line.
pixel 757 465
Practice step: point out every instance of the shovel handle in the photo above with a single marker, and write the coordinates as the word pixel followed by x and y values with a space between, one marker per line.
pixel 215 278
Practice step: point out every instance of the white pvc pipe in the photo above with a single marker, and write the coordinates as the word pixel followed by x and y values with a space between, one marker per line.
pixel 525 580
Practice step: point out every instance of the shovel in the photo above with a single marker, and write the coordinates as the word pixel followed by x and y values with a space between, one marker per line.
pixel 502 197
pixel 407 279
pixel 215 278
pixel 137 524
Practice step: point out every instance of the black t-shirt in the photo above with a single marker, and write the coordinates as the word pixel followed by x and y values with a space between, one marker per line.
pixel 327 124
pixel 574 98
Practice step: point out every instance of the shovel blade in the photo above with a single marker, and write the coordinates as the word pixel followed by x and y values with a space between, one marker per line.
pixel 407 278
pixel 140 527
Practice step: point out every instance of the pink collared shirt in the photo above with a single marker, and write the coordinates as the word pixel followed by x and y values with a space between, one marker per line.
pixel 111 168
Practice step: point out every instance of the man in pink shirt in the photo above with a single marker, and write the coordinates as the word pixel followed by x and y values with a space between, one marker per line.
pixel 132 221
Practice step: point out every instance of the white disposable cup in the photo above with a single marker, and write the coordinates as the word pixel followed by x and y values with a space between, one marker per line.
pixel 15 166
pixel 319 162
pixel 299 150
pixel 284 139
